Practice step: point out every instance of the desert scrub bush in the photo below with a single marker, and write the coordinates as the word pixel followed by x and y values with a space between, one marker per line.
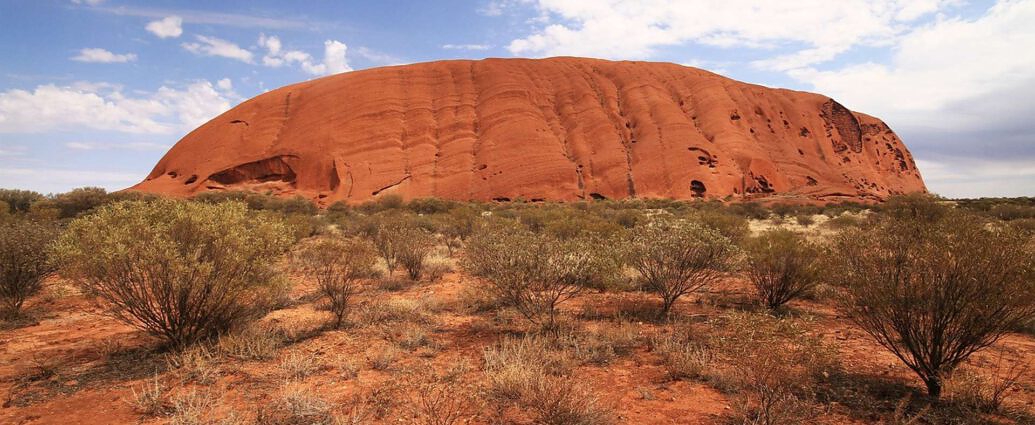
pixel 535 273
pixel 79 201
pixel 441 400
pixel 782 265
pixel 935 287
pixel 399 241
pixel 182 271
pixel 19 201
pixel 338 266
pixel 676 258
pixel 25 261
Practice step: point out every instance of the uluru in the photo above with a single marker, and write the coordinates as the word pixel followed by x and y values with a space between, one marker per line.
pixel 559 129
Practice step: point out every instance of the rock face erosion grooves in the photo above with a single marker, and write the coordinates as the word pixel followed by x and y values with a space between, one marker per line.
pixel 544 129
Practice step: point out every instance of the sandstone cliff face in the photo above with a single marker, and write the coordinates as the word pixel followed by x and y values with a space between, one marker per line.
pixel 548 129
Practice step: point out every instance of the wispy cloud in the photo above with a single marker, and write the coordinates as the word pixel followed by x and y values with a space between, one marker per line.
pixel 378 57
pixel 135 146
pixel 98 55
pixel 218 18
pixel 466 46
pixel 103 106
pixel 212 46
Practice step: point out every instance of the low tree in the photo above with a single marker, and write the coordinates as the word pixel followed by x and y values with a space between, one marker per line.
pixel 79 201
pixel 338 265
pixel 19 201
pixel 401 241
pixel 24 262
pixel 414 245
pixel 182 271
pixel 782 265
pixel 535 273
pixel 933 288
pixel 675 258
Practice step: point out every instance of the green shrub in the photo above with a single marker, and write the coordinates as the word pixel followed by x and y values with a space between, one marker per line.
pixel 782 265
pixel 182 271
pixel 400 241
pixel 79 201
pixel 935 286
pixel 337 266
pixel 733 227
pixel 676 258
pixel 534 272
pixel 24 262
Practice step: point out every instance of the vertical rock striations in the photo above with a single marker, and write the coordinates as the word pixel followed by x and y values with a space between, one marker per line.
pixel 557 129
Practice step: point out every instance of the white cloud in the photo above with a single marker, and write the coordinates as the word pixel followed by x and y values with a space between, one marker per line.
pixel 970 178
pixel 88 2
pixel 334 60
pixel 629 29
pixel 953 74
pixel 55 180
pixel 98 55
pixel 466 46
pixel 167 27
pixel 378 58
pixel 105 107
pixel 334 57
pixel 136 146
pixel 225 84
pixel 212 46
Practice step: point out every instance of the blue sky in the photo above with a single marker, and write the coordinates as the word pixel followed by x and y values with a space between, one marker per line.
pixel 93 92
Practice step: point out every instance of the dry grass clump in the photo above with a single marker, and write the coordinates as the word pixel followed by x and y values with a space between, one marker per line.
pixel 191 407
pixel 986 393
pixel 151 398
pixel 198 364
pixel 531 374
pixel 394 311
pixel 299 365
pixel 683 357
pixel 382 357
pixel 251 343
pixel 296 404
pixel 600 345
pixel 394 283
pixel 437 267
pixel 182 271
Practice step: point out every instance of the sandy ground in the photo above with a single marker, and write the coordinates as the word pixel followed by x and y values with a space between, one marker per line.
pixel 73 365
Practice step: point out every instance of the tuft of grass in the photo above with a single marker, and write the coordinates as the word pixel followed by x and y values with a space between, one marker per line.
pixel 252 343
pixel 150 398
pixel 298 365
pixel 383 357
